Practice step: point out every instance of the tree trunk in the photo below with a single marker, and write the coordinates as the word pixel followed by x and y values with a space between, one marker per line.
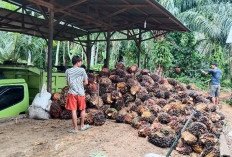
pixel 96 56
pixel 57 54
pixel 29 58
pixel 230 53
pixel 92 55
pixel 159 70
pixel 64 56
pixel 69 51
pixel 46 57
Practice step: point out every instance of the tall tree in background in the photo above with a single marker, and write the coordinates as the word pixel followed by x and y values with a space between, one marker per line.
pixel 210 20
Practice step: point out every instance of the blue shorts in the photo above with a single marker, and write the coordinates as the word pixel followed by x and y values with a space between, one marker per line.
pixel 215 91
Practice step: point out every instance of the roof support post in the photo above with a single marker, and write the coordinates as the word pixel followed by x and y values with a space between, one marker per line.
pixel 108 49
pixel 50 47
pixel 139 48
pixel 88 51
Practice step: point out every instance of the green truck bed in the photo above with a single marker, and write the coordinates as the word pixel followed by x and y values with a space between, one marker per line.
pixel 34 77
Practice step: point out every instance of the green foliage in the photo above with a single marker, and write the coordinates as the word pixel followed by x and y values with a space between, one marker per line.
pixel 198 83
pixel 185 55
pixel 229 101
pixel 226 83
pixel 162 55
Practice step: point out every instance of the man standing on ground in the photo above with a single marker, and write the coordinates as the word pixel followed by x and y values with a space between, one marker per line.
pixel 76 78
pixel 215 88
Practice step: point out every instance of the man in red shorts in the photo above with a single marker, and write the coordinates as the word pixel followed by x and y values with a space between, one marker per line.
pixel 76 78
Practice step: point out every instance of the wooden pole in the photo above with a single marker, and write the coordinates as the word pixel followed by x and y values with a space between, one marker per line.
pixel 88 51
pixel 108 49
pixel 50 47
pixel 140 49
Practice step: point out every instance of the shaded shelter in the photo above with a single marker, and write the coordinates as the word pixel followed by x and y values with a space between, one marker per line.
pixel 84 17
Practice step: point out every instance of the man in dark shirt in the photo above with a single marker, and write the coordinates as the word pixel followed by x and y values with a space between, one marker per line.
pixel 215 88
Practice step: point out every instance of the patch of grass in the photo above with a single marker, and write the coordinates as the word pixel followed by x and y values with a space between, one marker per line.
pixel 229 101
pixel 195 81
pixel 226 83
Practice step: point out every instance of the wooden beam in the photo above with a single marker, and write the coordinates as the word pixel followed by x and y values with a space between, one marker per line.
pixel 108 49
pixel 50 48
pixel 62 28
pixel 140 49
pixel 116 13
pixel 10 13
pixel 122 6
pixel 42 3
pixel 42 12
pixel 59 20
pixel 86 18
pixel 154 36
pixel 88 52
pixel 83 17
pixel 70 5
pixel 96 38
pixel 38 29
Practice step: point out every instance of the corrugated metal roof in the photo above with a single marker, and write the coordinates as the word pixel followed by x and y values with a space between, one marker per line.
pixel 106 15
pixel 18 22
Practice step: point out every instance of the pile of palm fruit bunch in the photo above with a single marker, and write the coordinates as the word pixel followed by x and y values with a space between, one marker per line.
pixel 157 107
pixel 57 109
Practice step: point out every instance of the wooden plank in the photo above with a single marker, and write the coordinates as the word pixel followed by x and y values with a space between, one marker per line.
pixel 42 3
pixel 70 5
pixel 224 149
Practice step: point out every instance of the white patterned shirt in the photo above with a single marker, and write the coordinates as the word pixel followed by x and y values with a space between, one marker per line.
pixel 75 77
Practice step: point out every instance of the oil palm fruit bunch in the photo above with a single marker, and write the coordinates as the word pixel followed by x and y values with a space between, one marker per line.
pixel 132 69
pixel 212 151
pixel 184 148
pixel 66 114
pixel 92 88
pixel 91 77
pixel 107 98
pixel 136 122
pixel 89 118
pixel 55 109
pixel 111 113
pixel 121 114
pixel 147 116
pixel 99 119
pixel 64 93
pixel 208 139
pixel 144 130
pixel 115 95
pixel 197 147
pixel 164 118
pixel 197 128
pixel 161 140
pixel 129 117
pixel 56 96
pixel 156 78
pixel 188 138
pixel 104 72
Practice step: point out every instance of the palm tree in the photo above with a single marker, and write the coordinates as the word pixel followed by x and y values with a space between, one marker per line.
pixel 210 20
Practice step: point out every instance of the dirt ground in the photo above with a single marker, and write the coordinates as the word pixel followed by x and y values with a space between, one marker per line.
pixel 28 137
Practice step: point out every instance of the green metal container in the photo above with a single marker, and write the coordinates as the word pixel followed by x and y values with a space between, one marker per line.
pixel 34 77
